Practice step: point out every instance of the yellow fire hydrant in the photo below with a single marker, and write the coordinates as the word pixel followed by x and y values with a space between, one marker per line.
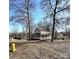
pixel 13 47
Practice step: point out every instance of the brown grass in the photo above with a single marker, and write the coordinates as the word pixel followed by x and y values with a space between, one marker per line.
pixel 42 50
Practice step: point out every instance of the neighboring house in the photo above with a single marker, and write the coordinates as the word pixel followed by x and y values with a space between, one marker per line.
pixel 61 36
pixel 41 34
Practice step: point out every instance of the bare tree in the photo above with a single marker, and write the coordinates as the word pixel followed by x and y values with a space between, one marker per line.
pixel 23 13
pixel 54 9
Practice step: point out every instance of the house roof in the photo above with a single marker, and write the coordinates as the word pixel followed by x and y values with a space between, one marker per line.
pixel 40 29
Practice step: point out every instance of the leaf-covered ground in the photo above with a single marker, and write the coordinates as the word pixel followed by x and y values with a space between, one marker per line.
pixel 42 50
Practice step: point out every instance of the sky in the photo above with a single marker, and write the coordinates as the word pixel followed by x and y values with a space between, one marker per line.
pixel 37 16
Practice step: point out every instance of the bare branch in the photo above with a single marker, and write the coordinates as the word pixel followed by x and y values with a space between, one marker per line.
pixel 51 5
pixel 66 8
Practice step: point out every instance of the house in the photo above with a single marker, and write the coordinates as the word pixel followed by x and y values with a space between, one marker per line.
pixel 61 36
pixel 41 34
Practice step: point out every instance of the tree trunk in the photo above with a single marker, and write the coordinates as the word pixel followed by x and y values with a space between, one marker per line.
pixel 28 21
pixel 53 28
